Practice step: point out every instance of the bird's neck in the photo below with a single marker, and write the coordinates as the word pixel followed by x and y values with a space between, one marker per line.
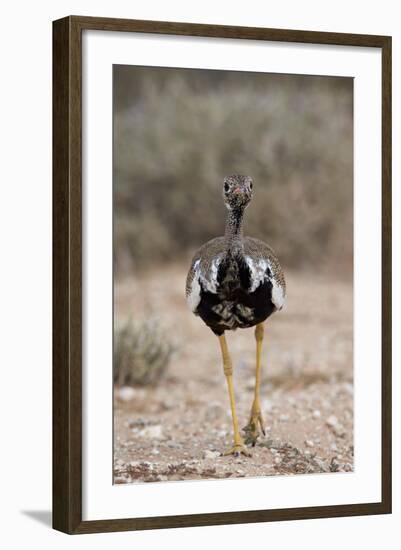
pixel 233 233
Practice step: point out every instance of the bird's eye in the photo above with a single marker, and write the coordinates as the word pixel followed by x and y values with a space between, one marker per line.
pixel 250 185
pixel 226 187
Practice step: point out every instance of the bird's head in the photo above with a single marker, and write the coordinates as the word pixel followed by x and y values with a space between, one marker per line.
pixel 237 191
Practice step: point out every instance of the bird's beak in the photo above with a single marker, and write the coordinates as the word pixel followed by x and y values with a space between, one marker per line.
pixel 237 191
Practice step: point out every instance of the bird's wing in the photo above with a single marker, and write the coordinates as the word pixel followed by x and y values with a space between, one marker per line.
pixel 263 262
pixel 203 271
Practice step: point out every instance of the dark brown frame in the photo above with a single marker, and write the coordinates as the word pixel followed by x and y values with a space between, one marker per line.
pixel 67 274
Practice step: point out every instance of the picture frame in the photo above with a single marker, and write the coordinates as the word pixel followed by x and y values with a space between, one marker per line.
pixel 68 293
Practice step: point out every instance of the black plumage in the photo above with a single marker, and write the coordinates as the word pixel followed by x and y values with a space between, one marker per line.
pixel 234 305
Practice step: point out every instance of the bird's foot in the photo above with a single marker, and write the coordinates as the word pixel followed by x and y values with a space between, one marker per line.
pixel 254 428
pixel 237 449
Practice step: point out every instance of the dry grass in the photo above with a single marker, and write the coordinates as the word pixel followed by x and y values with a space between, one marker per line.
pixel 178 133
pixel 142 352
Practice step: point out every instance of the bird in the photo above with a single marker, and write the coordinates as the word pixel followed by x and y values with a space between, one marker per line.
pixel 237 282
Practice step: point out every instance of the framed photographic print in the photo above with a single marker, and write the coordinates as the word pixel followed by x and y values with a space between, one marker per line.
pixel 209 180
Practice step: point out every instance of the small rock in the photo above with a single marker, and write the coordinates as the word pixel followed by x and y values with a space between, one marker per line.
pixel 316 414
pixel 277 460
pixel 210 454
pixel 334 465
pixel 284 417
pixel 351 450
pixel 339 430
pixel 167 405
pixel 126 393
pixel 139 423
pixel 122 479
pixel 267 405
pixel 273 444
pixel 322 465
pixel 348 388
pixel 332 421
pixel 153 432
pixel 309 443
pixel 174 445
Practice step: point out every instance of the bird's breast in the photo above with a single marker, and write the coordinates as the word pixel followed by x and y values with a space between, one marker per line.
pixel 233 275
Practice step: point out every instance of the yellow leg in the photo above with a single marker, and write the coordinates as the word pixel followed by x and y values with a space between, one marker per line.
pixel 238 447
pixel 255 424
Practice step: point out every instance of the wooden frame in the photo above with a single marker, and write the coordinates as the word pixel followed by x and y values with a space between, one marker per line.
pixel 67 274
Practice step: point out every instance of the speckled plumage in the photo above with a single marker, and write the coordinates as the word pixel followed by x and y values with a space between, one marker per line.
pixel 235 281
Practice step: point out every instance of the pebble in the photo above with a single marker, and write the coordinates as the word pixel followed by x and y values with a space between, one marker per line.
pixel 126 393
pixel 348 388
pixel 174 445
pixel 267 405
pixel 316 414
pixel 284 417
pixel 167 405
pixel 277 460
pixel 210 454
pixel 339 430
pixel 153 432
pixel 139 423
pixel 274 444
pixel 322 465
pixel 122 479
pixel 332 421
pixel 309 443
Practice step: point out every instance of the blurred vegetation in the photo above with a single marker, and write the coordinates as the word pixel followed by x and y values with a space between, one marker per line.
pixel 178 132
pixel 142 353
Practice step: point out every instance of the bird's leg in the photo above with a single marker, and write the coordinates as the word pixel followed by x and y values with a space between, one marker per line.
pixel 238 447
pixel 255 424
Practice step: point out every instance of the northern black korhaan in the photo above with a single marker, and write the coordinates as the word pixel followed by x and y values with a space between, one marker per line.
pixel 236 282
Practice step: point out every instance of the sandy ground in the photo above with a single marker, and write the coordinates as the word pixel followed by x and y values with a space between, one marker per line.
pixel 178 429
